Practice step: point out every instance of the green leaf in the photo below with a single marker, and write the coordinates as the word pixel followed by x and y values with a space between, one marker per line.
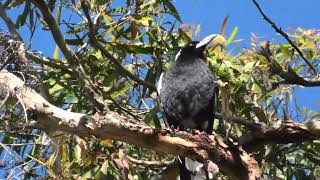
pixel 104 167
pixel 285 50
pixel 55 88
pixel 249 66
pixel 122 91
pixel 16 3
pixel 138 49
pixel 245 77
pixel 256 89
pixel 260 114
pixel 171 9
pixel 119 10
pixel 74 42
pixel 145 21
pixel 312 158
pixel 315 116
pixel 233 34
pixel 21 20
pixel 101 2
pixel 152 36
pixel 58 13
pixel 183 38
pixel 228 64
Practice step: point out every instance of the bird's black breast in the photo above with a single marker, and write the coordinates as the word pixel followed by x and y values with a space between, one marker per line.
pixel 187 94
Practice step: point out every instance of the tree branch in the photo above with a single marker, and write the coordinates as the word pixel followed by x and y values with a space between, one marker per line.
pixel 96 44
pixel 91 90
pixel 289 75
pixel 48 62
pixel 9 23
pixel 151 163
pixel 231 159
pixel 285 35
pixel 287 132
pixel 56 33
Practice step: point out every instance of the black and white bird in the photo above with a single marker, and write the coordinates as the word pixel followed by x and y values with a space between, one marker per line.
pixel 187 97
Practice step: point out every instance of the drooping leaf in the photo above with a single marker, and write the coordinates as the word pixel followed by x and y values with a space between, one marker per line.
pixel 171 9
pixel 22 18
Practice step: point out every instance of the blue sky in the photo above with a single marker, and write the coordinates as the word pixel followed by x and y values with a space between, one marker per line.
pixel 243 14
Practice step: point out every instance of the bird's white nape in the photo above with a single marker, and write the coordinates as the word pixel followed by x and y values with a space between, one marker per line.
pixel 177 55
pixel 159 86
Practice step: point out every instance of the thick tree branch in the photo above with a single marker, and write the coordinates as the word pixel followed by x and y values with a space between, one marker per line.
pixel 231 159
pixel 285 35
pixel 287 132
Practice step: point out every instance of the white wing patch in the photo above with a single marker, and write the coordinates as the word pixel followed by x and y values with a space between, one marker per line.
pixel 159 86
pixel 197 169
pixel 177 55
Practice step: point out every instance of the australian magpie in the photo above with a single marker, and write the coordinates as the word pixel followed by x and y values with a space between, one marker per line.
pixel 187 97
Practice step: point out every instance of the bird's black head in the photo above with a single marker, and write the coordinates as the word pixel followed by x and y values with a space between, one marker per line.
pixel 195 48
pixel 191 49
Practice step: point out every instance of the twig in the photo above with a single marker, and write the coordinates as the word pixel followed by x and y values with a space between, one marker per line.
pixel 151 163
pixel 250 124
pixel 23 107
pixel 48 62
pixel 24 144
pixel 5 99
pixel 285 35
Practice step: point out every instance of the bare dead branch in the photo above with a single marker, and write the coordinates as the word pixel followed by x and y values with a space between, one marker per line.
pixel 285 35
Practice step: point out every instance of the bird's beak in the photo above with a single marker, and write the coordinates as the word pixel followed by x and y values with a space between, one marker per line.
pixel 218 39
